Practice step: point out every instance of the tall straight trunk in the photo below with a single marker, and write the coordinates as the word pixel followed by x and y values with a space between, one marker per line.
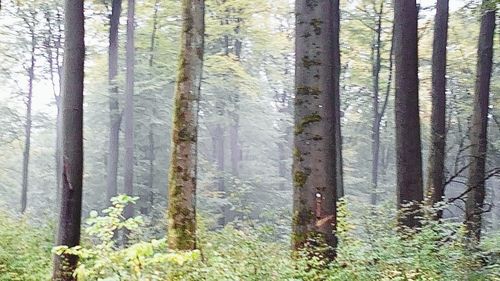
pixel 408 143
pixel 377 118
pixel 149 196
pixel 436 178
pixel 478 133
pixel 182 176
pixel 114 111
pixel 72 172
pixel 339 186
pixel 27 126
pixel 315 152
pixel 129 109
pixel 54 41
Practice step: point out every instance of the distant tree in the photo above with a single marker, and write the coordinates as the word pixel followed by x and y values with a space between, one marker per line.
pixel 114 110
pixel 315 145
pixel 30 21
pixel 478 133
pixel 72 116
pixel 408 143
pixel 129 108
pixel 379 105
pixel 436 177
pixel 182 176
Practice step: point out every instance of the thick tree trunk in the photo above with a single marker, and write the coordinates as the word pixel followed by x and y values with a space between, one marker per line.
pixel 129 110
pixel 114 111
pixel 315 151
pixel 72 172
pixel 27 126
pixel 182 176
pixel 478 134
pixel 436 177
pixel 408 143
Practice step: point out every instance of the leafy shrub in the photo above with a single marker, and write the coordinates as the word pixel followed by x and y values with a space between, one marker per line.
pixel 368 250
pixel 24 250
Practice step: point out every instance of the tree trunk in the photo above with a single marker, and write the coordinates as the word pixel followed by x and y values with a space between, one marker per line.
pixel 339 186
pixel 478 134
pixel 315 150
pixel 27 126
pixel 436 178
pixel 114 111
pixel 72 172
pixel 377 118
pixel 218 140
pixel 182 176
pixel 129 110
pixel 408 143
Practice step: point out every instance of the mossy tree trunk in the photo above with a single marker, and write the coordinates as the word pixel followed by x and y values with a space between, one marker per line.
pixel 182 176
pixel 436 179
pixel 408 143
pixel 315 145
pixel 114 111
pixel 478 135
pixel 72 116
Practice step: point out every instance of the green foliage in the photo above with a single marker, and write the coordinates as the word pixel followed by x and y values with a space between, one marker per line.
pixel 371 249
pixel 24 249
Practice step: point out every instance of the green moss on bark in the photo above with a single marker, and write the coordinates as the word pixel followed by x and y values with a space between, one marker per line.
pixel 299 129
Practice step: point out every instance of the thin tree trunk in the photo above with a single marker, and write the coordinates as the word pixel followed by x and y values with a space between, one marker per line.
pixel 478 134
pixel 315 145
pixel 182 176
pixel 27 126
pixel 436 179
pixel 129 110
pixel 377 118
pixel 114 111
pixel 55 43
pixel 408 143
pixel 339 186
pixel 149 196
pixel 219 160
pixel 72 172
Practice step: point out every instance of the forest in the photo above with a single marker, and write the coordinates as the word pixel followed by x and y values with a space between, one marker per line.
pixel 313 140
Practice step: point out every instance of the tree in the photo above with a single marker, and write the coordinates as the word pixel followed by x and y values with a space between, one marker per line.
pixel 378 111
pixel 30 22
pixel 315 147
pixel 436 177
pixel 129 109
pixel 114 111
pixel 182 175
pixel 72 172
pixel 478 135
pixel 408 143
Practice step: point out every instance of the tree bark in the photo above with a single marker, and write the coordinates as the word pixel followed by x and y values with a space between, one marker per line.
pixel 72 172
pixel 478 134
pixel 336 92
pixel 436 177
pixel 408 143
pixel 129 109
pixel 315 145
pixel 377 117
pixel 27 126
pixel 182 176
pixel 114 111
